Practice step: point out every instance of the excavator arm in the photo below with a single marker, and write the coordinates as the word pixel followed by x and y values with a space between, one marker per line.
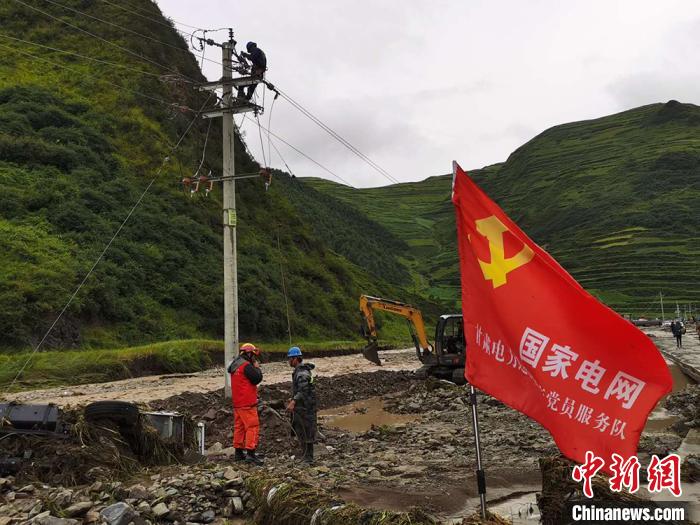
pixel 369 304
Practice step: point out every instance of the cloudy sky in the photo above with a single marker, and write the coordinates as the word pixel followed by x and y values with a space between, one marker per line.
pixel 415 84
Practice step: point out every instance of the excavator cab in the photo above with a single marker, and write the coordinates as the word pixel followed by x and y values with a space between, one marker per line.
pixel 450 349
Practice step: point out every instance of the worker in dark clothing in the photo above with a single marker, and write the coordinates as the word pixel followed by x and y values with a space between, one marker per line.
pixel 302 406
pixel 677 331
pixel 258 62
pixel 245 378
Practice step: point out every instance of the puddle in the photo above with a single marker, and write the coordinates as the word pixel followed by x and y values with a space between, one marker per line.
pixel 361 415
pixel 520 508
pixel 661 419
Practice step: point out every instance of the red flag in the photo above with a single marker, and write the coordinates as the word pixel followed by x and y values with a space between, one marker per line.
pixel 543 345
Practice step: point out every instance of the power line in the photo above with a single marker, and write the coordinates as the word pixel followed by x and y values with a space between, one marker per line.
pixel 274 146
pixel 298 106
pixel 133 10
pixel 62 66
pixel 341 179
pixel 114 64
pixel 126 29
pixel 125 49
pixel 339 138
pixel 107 246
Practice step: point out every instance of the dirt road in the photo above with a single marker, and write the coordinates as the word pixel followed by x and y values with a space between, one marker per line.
pixel 145 389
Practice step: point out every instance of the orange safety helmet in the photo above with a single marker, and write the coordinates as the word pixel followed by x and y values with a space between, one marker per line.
pixel 249 348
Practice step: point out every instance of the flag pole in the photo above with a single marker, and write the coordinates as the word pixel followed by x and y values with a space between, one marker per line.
pixel 480 477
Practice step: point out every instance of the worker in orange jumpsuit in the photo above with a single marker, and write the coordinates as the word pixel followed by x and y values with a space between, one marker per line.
pixel 246 375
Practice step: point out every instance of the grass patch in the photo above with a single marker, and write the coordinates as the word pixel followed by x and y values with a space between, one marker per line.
pixel 75 367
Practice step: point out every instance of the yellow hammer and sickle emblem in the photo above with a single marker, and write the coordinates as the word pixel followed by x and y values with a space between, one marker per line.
pixel 497 270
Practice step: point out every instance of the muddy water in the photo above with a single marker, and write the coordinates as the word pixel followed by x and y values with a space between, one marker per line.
pixel 361 415
pixel 661 419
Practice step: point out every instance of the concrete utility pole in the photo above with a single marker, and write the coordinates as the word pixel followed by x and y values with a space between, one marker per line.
pixel 228 108
pixel 229 208
pixel 661 298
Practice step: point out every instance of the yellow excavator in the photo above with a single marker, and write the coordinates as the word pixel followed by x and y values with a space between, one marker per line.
pixel 445 359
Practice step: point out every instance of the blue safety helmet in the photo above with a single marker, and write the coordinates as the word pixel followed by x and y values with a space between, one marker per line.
pixel 294 351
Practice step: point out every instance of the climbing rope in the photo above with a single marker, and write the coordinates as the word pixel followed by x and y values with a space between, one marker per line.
pixel 262 146
pixel 269 126
pixel 204 150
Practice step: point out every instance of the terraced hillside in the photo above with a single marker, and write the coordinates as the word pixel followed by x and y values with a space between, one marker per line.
pixel 616 200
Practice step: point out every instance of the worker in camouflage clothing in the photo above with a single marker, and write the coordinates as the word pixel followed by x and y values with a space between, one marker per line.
pixel 302 406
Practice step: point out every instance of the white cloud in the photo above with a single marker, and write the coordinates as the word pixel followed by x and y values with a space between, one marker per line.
pixel 415 84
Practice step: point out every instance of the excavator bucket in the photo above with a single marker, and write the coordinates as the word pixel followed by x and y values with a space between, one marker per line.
pixel 371 353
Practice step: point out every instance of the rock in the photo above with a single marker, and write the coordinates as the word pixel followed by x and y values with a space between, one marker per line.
pixel 78 509
pixel 50 520
pixel 36 510
pixel 660 444
pixel 210 415
pixel 231 474
pixel 144 508
pixel 216 448
pixel 160 510
pixel 237 505
pixel 228 452
pixel 681 428
pixel 208 516
pixel 28 489
pixel 121 514
pixel 138 492
pixel 91 517
pixel 690 470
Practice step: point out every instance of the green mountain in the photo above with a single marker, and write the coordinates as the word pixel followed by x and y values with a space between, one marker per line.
pixel 615 200
pixel 90 109
pixel 82 138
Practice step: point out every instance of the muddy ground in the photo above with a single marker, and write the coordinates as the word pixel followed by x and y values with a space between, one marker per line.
pixel 389 441
pixel 392 441
pixel 151 388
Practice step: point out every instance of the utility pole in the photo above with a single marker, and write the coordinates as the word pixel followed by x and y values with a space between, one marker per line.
pixel 230 105
pixel 229 213
pixel 661 298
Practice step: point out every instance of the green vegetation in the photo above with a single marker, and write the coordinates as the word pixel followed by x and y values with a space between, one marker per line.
pixel 74 367
pixel 615 200
pixel 56 368
pixel 77 148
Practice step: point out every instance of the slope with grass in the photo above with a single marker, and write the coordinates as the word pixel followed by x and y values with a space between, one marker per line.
pixel 80 140
pixel 614 199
